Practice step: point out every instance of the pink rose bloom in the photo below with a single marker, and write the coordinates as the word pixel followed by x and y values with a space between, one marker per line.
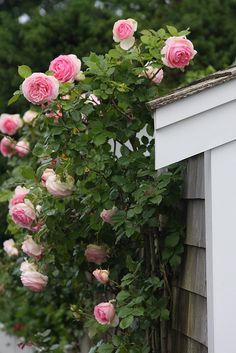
pixel 59 188
pixel 7 147
pixel 91 98
pixel 34 280
pixel 23 214
pixel 27 266
pixel 9 124
pixel 10 247
pixel 29 116
pixel 101 276
pixel 19 196
pixel 48 172
pixel 154 74
pixel 65 67
pixel 104 313
pixel 106 215
pixel 95 253
pixel 22 148
pixel 123 31
pixel 40 88
pixel 31 248
pixel 177 52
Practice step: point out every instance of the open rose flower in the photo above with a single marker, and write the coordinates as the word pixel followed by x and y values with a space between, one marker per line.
pixel 106 215
pixel 34 280
pixel 177 52
pixel 19 195
pixel 9 124
pixel 48 172
pixel 29 116
pixel 123 32
pixel 7 147
pixel 23 214
pixel 105 314
pixel 65 67
pixel 31 248
pixel 154 74
pixel 10 247
pixel 40 88
pixel 59 188
pixel 101 276
pixel 22 148
pixel 95 253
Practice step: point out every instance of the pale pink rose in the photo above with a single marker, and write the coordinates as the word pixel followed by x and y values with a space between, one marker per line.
pixel 9 124
pixel 154 74
pixel 101 276
pixel 48 172
pixel 59 188
pixel 106 215
pixel 91 98
pixel 29 116
pixel 22 148
pixel 40 88
pixel 31 248
pixel 65 67
pixel 104 313
pixel 27 266
pixel 10 247
pixel 7 147
pixel 34 280
pixel 19 196
pixel 177 52
pixel 95 253
pixel 23 214
pixel 123 32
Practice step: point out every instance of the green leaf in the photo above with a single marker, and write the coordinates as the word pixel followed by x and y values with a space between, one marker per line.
pixel 122 296
pixel 106 348
pixel 13 99
pixel 126 322
pixel 172 240
pixel 100 139
pixel 165 315
pixel 24 71
pixel 27 172
pixel 172 30
pixel 5 195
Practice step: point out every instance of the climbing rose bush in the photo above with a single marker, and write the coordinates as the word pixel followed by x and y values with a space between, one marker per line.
pixel 89 250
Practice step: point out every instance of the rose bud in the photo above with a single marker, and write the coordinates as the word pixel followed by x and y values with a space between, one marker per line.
pixel 59 188
pixel 7 147
pixel 9 124
pixel 19 196
pixel 31 248
pixel 65 67
pixel 123 31
pixel 101 276
pixel 95 253
pixel 105 313
pixel 106 215
pixel 23 214
pixel 47 172
pixel 10 247
pixel 34 280
pixel 154 74
pixel 22 148
pixel 29 116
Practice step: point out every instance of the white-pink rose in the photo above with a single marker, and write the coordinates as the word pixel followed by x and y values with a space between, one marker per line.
pixel 105 313
pixel 31 248
pixel 59 188
pixel 123 32
pixel 7 147
pixel 27 266
pixel 22 148
pixel 9 124
pixel 154 74
pixel 40 88
pixel 10 247
pixel 47 172
pixel 34 280
pixel 101 276
pixel 95 253
pixel 29 116
pixel 23 214
pixel 107 215
pixel 65 67
pixel 19 195
pixel 177 52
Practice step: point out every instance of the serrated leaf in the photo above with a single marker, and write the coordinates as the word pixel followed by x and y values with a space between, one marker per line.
pixel 24 71
pixel 172 30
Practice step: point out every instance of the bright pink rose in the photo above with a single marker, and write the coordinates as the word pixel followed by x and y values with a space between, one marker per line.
pixel 177 52
pixel 104 313
pixel 154 74
pixel 32 249
pixel 10 247
pixel 95 253
pixel 34 280
pixel 7 147
pixel 123 31
pixel 106 215
pixel 22 148
pixel 29 116
pixel 23 214
pixel 48 172
pixel 101 276
pixel 65 67
pixel 9 124
pixel 19 196
pixel 40 88
pixel 59 188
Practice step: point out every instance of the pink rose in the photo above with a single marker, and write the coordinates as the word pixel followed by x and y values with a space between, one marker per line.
pixel 34 280
pixel 23 214
pixel 7 147
pixel 29 116
pixel 9 124
pixel 177 52
pixel 106 215
pixel 95 253
pixel 22 148
pixel 123 31
pixel 27 266
pixel 31 248
pixel 19 196
pixel 65 67
pixel 10 247
pixel 154 74
pixel 59 188
pixel 104 313
pixel 55 114
pixel 101 276
pixel 48 172
pixel 40 88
